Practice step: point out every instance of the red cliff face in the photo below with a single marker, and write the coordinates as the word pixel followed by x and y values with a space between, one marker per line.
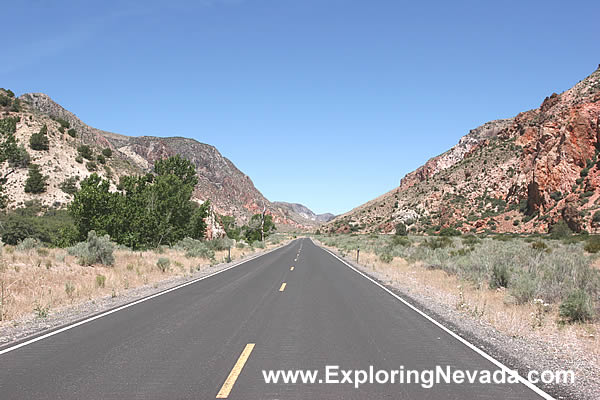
pixel 517 175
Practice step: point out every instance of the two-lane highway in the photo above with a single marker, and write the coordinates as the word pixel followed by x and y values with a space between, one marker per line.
pixel 295 308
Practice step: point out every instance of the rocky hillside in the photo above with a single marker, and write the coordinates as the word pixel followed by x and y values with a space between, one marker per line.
pixel 230 191
pixel 295 209
pixel 522 174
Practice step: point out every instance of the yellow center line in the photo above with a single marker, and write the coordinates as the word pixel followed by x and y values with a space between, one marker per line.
pixel 282 288
pixel 291 268
pixel 235 372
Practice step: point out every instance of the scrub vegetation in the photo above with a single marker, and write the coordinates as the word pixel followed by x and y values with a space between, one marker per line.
pixel 560 272
pixel 35 277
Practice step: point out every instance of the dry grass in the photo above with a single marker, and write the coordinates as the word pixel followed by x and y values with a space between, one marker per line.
pixel 487 305
pixel 44 280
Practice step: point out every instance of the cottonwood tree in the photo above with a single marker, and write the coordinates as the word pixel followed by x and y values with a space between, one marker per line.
pixel 145 211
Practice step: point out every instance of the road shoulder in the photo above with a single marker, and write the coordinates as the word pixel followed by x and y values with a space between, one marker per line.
pixel 518 353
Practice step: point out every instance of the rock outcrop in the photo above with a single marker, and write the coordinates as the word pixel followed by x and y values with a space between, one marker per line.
pixel 521 174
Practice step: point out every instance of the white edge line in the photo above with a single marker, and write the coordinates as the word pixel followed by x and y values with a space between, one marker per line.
pixel 476 349
pixel 104 314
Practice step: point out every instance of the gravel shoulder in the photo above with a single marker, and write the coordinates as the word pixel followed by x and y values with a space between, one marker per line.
pixel 522 354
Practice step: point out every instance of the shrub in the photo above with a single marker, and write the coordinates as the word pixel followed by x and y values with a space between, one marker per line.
pixel 219 244
pixel 51 227
pixel 69 185
pixel 589 193
pixel 400 241
pixel 40 311
pixel 79 159
pixel 63 123
pixel 107 152
pixel 577 307
pixel 95 250
pixel 592 245
pixel 195 248
pixel 257 244
pixel 470 240
pixel 560 230
pixel 19 158
pixel 523 288
pixel 85 151
pixel 100 281
pixel 72 132
pixel 401 229
pixel 36 182
pixel 9 92
pixel 596 217
pixel 448 231
pixel 500 277
pixel 91 166
pixel 69 289
pixel 39 141
pixel 556 196
pixel 100 158
pixel 438 243
pixel 28 244
pixel 539 245
pixel 386 257
pixel 163 264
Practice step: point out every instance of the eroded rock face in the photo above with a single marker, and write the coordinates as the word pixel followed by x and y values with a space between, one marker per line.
pixel 516 175
pixel 465 146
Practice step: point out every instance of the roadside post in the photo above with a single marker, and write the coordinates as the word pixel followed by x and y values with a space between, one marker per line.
pixel 229 254
pixel 357 253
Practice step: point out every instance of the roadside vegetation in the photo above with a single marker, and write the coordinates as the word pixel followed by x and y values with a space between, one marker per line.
pixel 540 287
pixel 146 230
pixel 560 272
pixel 36 280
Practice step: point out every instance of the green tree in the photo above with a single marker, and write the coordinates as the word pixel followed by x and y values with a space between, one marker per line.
pixel 9 151
pixel 39 141
pixel 259 227
pixel 147 210
pixel 230 227
pixel 197 228
pixel 107 152
pixel 93 207
pixel 178 166
pixel 36 182
pixel 50 226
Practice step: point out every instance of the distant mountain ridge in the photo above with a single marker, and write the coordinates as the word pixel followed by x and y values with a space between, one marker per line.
pixel 521 174
pixel 304 212
pixel 230 191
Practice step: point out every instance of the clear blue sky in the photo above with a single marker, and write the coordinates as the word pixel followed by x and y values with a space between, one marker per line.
pixel 323 102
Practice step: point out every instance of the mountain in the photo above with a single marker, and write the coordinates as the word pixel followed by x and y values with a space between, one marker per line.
pixel 301 210
pixel 522 174
pixel 230 191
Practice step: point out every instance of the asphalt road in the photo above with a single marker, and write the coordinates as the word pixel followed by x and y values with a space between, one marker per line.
pixel 186 343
